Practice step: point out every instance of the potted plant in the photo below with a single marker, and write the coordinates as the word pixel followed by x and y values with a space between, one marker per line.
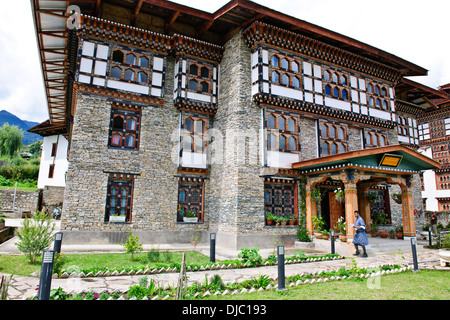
pixel 384 234
pixel 342 229
pixel 190 216
pixel 374 229
pixel 325 235
pixel 2 223
pixel 291 220
pixel 339 195
pixel 318 225
pixel 392 234
pixel 399 232
pixel 317 194
pixel 282 220
pixel 270 218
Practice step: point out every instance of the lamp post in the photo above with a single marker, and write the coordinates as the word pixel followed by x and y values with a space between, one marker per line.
pixel 332 241
pixel 414 254
pixel 281 272
pixel 212 247
pixel 45 280
pixel 58 241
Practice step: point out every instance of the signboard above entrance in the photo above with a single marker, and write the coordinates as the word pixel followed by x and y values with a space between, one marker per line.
pixel 391 160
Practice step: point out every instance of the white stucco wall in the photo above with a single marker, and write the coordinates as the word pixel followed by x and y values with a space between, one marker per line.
pixel 60 162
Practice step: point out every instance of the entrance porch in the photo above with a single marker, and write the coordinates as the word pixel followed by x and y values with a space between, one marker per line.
pixel 355 173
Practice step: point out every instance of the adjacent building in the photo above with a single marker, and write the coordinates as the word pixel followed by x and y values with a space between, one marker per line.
pixel 181 122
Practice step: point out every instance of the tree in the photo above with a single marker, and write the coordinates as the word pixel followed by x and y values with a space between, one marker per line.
pixel 35 235
pixel 132 245
pixel 10 139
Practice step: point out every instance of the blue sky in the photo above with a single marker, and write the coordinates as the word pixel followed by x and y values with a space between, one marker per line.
pixel 414 30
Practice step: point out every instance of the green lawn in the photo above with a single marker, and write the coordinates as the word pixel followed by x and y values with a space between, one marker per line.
pixel 426 284
pixel 19 265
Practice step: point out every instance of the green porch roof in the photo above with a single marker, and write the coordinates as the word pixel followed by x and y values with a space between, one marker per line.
pixel 409 160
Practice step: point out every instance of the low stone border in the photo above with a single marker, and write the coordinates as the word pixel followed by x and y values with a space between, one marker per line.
pixel 147 271
pixel 244 290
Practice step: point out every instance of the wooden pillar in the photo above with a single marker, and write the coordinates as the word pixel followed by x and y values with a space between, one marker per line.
pixel 311 210
pixel 364 206
pixel 409 225
pixel 351 204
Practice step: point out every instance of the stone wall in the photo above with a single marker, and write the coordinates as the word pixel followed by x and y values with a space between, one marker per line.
pixel 25 201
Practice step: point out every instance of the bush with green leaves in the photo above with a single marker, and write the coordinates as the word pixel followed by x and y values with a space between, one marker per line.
pixel 251 257
pixel 35 235
pixel 132 245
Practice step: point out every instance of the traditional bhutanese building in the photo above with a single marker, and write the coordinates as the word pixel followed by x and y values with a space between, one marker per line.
pixel 434 135
pixel 174 113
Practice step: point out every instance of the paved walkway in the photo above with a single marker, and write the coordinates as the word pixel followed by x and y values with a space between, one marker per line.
pixel 23 287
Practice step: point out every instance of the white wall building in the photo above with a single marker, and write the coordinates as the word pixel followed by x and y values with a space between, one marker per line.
pixel 52 171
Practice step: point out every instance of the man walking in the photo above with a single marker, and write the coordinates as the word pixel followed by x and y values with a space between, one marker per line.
pixel 360 238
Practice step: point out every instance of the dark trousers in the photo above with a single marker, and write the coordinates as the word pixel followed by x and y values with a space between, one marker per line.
pixel 357 250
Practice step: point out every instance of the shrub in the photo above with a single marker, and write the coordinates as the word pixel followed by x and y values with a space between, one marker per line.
pixel 132 245
pixel 137 291
pixel 251 257
pixel 35 235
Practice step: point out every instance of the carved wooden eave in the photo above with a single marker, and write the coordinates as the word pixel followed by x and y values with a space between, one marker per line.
pixel 123 34
pixel 262 99
pixel 261 33
pixel 195 106
pixel 182 45
pixel 409 108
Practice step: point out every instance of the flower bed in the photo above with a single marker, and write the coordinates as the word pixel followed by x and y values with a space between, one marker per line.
pixel 176 267
pixel 215 286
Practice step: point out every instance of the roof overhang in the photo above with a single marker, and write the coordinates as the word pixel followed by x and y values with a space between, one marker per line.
pixel 52 37
pixel 396 159
pixel 47 129
pixel 419 94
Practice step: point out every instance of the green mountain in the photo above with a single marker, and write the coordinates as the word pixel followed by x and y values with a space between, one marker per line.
pixel 28 137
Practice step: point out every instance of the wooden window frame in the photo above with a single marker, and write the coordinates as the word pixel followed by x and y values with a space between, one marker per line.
pixel 328 139
pixel 332 79
pixel 277 132
pixel 121 183
pixel 125 115
pixel 282 208
pixel 188 204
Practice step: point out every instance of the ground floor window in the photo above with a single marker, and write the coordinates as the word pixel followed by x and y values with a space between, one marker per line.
pixel 380 211
pixel 119 199
pixel 280 200
pixel 190 201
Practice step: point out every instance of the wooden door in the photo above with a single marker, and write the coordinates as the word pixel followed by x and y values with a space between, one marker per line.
pixel 336 209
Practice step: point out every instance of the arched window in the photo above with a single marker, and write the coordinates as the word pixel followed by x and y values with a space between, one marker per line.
pixel 182 196
pixel 129 140
pixel 198 144
pixel 295 67
pixel 333 148
pixel 271 141
pixel 332 132
pixel 267 196
pixel 327 76
pixel 117 56
pixel 129 75
pixel 275 77
pixel 334 78
pixel 271 121
pixel 341 148
pixel 204 72
pixel 385 105
pixel 281 123
pixel 131 58
pixel 292 143
pixel 285 79
pixel 296 82
pixel 131 123
pixel 118 122
pixel 187 143
pixel 193 69
pixel 371 102
pixel 378 103
pixel 284 63
pixel 116 139
pixel 344 94
pixel 143 62
pixel 204 87
pixel 343 80
pixel 336 92
pixel 275 61
pixel 142 77
pixel 282 142
pixel 377 90
pixel 341 134
pixel 325 148
pixel 193 85
pixel 189 124
pixel 328 89
pixel 383 92
pixel 324 130
pixel 291 124
pixel 199 126
pixel 369 88
pixel 116 72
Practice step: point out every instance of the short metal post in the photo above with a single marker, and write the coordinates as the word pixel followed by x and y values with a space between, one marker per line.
pixel 281 273
pixel 414 254
pixel 430 237
pixel 58 241
pixel 332 242
pixel 45 281
pixel 212 247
